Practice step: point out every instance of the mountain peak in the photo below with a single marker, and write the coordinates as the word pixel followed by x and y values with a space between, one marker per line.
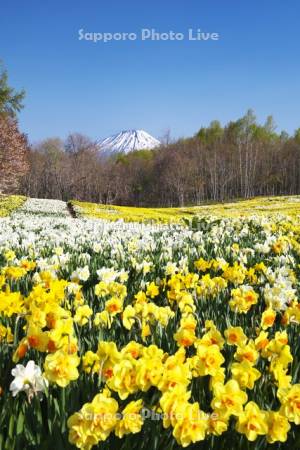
pixel 127 141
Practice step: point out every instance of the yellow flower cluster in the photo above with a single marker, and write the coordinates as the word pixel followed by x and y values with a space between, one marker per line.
pixel 98 419
pixel 260 206
pixel 138 368
pixel 9 203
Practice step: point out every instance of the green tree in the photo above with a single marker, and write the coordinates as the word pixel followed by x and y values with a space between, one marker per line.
pixel 11 101
pixel 211 134
pixel 297 136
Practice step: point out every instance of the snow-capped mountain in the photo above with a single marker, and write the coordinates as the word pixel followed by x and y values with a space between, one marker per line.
pixel 127 141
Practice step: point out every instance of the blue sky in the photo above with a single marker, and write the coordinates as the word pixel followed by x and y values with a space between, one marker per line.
pixel 99 89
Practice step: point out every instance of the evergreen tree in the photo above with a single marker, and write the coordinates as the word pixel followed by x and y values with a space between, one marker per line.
pixel 13 144
pixel 10 100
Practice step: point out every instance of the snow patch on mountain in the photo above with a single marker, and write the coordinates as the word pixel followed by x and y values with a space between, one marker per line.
pixel 127 141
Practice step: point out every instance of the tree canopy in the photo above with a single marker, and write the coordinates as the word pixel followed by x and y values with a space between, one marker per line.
pixel 11 101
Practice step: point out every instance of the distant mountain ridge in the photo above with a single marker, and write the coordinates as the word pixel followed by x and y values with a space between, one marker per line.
pixel 127 141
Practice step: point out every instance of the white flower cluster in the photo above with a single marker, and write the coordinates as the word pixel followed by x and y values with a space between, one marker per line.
pixel 43 207
pixel 279 292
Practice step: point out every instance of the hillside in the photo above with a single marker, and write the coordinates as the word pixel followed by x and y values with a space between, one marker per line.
pixel 288 205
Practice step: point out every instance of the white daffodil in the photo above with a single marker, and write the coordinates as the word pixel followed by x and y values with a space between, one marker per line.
pixel 28 379
pixel 107 275
pixel 97 247
pixel 82 274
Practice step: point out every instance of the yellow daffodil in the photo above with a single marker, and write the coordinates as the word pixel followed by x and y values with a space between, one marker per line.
pixel 252 422
pixel 61 368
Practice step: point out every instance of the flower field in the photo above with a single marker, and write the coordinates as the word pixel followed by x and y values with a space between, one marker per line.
pixel 289 205
pixel 124 335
